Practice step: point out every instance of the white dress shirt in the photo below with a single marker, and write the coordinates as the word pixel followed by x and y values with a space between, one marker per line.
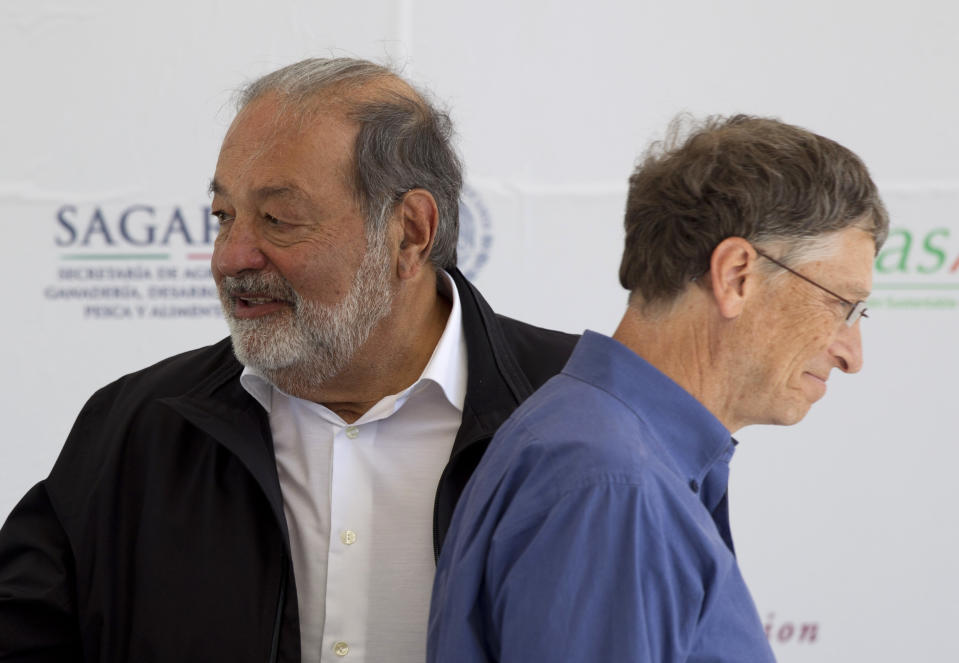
pixel 359 502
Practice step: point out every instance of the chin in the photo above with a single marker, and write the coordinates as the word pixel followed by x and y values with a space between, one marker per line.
pixel 781 411
pixel 793 415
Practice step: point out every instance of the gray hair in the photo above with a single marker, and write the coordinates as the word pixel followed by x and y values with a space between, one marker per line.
pixel 404 141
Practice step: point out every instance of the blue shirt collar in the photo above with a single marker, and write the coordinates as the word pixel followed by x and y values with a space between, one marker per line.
pixel 694 438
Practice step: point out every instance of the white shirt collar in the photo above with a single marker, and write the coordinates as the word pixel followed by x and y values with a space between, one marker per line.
pixel 447 367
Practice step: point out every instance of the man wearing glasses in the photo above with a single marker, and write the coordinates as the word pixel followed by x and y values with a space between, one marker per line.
pixel 596 526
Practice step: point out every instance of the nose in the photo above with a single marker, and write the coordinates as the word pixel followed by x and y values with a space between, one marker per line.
pixel 846 348
pixel 237 249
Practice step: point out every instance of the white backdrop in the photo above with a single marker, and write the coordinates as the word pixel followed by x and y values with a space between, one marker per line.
pixel 110 124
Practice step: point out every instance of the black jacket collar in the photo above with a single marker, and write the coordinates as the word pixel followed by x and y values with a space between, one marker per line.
pixel 496 385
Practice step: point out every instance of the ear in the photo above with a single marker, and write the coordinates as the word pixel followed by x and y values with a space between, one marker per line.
pixel 732 275
pixel 418 217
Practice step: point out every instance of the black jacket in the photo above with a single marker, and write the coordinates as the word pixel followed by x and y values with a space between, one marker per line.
pixel 160 533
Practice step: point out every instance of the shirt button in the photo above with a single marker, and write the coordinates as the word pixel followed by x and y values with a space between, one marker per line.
pixel 352 432
pixel 348 537
pixel 341 649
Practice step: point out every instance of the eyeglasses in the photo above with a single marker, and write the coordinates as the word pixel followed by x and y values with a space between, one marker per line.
pixel 856 309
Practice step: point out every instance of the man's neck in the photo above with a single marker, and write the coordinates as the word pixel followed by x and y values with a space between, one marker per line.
pixel 685 347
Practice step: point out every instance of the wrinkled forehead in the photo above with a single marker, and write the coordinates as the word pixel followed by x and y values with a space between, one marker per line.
pixel 272 117
pixel 268 142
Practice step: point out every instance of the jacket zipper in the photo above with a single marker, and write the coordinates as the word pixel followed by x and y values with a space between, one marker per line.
pixel 280 604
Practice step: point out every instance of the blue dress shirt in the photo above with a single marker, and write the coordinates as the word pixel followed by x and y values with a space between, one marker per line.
pixel 595 529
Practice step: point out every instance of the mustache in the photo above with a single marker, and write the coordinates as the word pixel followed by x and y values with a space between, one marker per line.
pixel 266 285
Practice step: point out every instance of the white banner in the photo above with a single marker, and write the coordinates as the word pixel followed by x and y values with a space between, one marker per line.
pixel 112 117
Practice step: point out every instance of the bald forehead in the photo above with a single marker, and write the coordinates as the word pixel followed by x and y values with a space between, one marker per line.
pixel 283 113
pixel 269 120
pixel 271 153
pixel 279 131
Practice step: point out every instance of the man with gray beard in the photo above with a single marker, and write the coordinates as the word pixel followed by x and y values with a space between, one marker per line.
pixel 283 495
pixel 317 341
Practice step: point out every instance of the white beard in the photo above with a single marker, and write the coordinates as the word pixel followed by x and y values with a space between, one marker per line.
pixel 311 344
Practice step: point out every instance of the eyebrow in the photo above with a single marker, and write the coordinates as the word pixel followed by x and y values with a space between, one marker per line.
pixel 848 291
pixel 289 191
pixel 859 294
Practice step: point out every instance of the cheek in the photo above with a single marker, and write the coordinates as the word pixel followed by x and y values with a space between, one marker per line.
pixel 316 279
pixel 796 338
pixel 810 339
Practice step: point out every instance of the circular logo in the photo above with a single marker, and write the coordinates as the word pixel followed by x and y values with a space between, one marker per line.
pixel 476 235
